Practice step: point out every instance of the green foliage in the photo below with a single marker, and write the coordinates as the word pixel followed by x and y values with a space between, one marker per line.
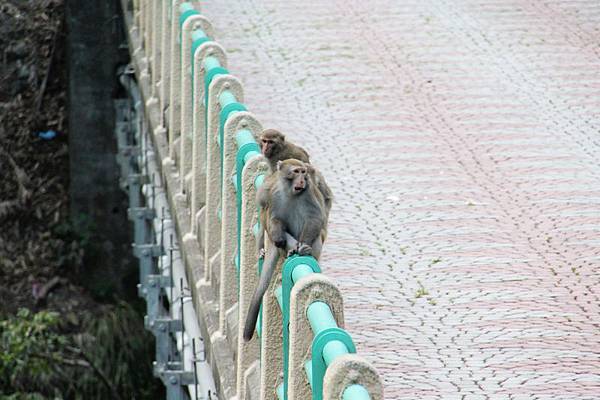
pixel 119 345
pixel 28 344
pixel 111 360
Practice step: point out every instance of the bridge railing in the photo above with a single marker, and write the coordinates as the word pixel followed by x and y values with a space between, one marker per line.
pixel 212 166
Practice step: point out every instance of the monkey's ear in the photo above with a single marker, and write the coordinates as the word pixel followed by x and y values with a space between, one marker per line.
pixel 279 164
pixel 309 168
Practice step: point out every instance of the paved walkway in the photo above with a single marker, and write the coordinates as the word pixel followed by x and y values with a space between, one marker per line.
pixel 462 141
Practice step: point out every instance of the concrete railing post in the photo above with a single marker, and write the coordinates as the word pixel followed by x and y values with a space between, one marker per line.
pixel 174 114
pixel 145 15
pixel 229 217
pixel 148 28
pixel 190 25
pixel 349 376
pixel 165 58
pixel 135 12
pixel 248 352
pixel 312 288
pixel 271 347
pixel 141 21
pixel 212 226
pixel 198 195
pixel 147 22
pixel 155 59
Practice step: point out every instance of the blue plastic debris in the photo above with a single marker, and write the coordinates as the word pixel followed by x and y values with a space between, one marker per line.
pixel 47 135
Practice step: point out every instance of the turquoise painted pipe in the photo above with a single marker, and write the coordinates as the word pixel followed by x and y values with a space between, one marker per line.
pixel 198 34
pixel 308 370
pixel 333 350
pixel 249 155
pixel 256 229
pixel 300 271
pixel 258 181
pixel 186 11
pixel 356 392
pixel 244 137
pixel 226 98
pixel 211 62
pixel 352 392
pixel 320 317
pixel 185 7
pixel 279 296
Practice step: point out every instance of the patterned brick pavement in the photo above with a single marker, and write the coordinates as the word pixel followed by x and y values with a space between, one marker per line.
pixel 461 139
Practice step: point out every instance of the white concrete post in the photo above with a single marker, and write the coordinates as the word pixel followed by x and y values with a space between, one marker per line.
pixel 347 370
pixel 248 352
pixel 136 16
pixel 145 15
pixel 185 154
pixel 155 60
pixel 141 20
pixel 271 343
pixel 198 172
pixel 314 287
pixel 148 28
pixel 212 226
pixel 137 31
pixel 228 296
pixel 174 115
pixel 165 64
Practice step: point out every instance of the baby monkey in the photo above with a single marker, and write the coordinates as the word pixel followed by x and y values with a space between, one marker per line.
pixel 275 148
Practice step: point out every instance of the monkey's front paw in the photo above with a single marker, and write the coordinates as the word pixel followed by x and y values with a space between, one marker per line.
pixel 303 249
pixel 261 254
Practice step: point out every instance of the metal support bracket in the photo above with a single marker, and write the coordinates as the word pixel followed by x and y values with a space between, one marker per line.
pixel 137 213
pixel 148 250
pixel 135 182
pixel 150 290
pixel 172 374
pixel 141 216
pixel 163 326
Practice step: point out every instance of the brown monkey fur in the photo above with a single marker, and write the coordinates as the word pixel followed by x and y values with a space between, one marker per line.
pixel 275 148
pixel 294 216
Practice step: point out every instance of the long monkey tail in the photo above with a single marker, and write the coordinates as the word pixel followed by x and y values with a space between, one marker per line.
pixel 263 283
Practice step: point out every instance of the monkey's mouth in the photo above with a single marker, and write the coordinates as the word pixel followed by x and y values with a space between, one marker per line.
pixel 298 189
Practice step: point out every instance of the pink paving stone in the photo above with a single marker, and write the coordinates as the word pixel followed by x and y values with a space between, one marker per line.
pixel 458 130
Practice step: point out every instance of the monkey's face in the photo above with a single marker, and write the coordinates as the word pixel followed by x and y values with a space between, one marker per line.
pixel 266 147
pixel 298 179
pixel 270 144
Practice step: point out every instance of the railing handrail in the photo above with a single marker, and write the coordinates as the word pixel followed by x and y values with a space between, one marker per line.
pixel 211 143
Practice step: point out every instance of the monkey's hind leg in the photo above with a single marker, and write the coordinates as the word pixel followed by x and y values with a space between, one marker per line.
pixel 317 246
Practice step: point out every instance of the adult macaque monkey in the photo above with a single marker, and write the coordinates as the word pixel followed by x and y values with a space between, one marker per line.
pixel 293 215
pixel 275 148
